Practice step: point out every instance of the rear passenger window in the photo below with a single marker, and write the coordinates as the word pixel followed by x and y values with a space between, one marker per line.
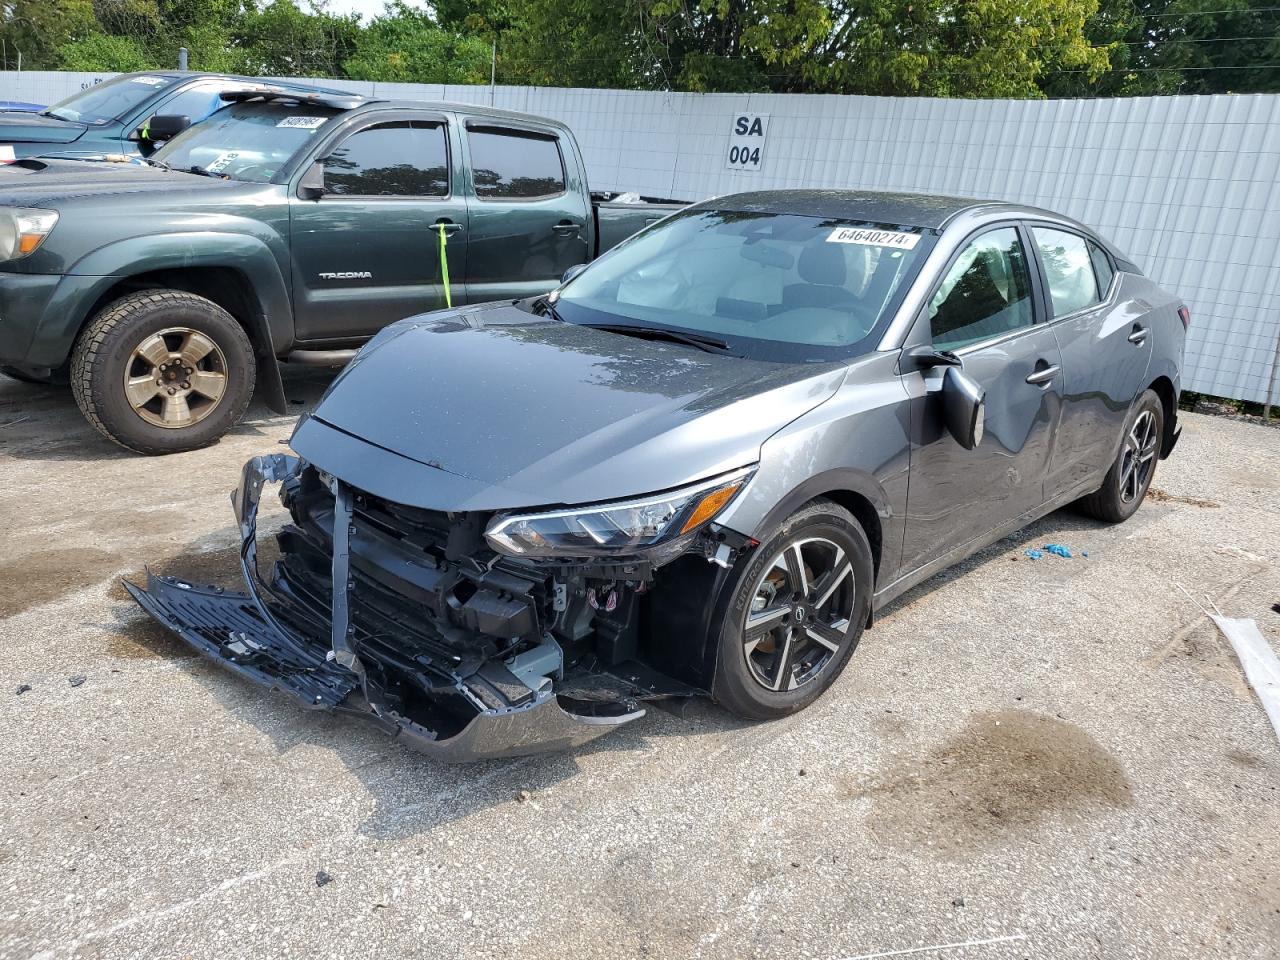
pixel 1068 269
pixel 514 165
pixel 405 158
pixel 986 293
pixel 1101 267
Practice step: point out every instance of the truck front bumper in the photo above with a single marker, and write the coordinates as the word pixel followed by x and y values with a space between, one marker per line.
pixel 40 315
pixel 252 634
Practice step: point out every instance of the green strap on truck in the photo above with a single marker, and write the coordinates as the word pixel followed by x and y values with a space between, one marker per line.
pixel 444 267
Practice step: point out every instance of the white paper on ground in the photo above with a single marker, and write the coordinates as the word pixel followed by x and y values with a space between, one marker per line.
pixel 1261 665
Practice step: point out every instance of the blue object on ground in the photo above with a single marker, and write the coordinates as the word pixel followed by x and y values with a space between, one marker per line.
pixel 1034 554
pixel 1058 550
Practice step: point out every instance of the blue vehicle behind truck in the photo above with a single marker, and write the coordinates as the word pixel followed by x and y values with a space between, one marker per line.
pixel 115 117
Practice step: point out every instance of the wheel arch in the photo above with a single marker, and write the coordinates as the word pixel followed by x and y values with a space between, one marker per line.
pixel 855 491
pixel 231 288
pixel 1168 394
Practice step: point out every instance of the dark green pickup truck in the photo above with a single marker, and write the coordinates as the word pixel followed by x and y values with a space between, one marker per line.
pixel 286 227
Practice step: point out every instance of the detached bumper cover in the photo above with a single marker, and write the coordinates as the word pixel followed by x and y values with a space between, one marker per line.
pixel 246 633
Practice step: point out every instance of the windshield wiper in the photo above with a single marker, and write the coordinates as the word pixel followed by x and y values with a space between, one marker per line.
pixel 46 113
pixel 202 172
pixel 545 307
pixel 704 343
pixel 157 163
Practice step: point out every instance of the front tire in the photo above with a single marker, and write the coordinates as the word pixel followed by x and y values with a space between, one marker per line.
pixel 797 608
pixel 1129 478
pixel 163 371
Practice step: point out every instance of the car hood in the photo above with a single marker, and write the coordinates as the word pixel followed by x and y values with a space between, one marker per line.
pixel 35 183
pixel 506 409
pixel 22 127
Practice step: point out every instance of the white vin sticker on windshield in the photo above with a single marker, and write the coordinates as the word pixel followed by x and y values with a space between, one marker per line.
pixel 874 238
pixel 305 123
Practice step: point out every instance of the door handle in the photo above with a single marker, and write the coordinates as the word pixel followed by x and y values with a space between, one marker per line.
pixel 566 228
pixel 449 226
pixel 1139 335
pixel 1043 375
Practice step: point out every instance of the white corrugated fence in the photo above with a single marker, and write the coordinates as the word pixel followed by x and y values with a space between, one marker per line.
pixel 1187 186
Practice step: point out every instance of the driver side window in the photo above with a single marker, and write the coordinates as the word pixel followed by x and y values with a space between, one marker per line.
pixel 986 292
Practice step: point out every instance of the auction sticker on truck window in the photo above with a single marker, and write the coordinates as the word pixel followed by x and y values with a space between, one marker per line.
pixel 149 81
pixel 302 123
pixel 6 153
pixel 874 238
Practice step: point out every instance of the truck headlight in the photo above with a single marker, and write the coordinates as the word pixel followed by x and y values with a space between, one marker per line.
pixel 610 529
pixel 23 229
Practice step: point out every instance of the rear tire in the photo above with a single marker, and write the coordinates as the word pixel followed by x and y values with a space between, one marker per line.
pixel 1129 478
pixel 163 371
pixel 797 608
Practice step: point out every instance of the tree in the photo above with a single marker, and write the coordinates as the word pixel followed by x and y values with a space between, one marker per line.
pixel 407 45
pixel 282 40
pixel 976 48
pixel 40 28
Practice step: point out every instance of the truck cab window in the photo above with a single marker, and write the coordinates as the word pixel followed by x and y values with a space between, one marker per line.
pixel 514 165
pixel 403 158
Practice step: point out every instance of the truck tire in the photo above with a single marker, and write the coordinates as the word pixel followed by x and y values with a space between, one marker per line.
pixel 162 371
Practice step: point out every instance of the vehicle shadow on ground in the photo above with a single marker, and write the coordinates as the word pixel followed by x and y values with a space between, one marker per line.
pixel 43 423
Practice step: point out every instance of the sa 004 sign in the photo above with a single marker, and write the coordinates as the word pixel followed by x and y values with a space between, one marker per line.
pixel 746 141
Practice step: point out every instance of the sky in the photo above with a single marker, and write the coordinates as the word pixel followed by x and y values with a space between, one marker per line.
pixel 366 8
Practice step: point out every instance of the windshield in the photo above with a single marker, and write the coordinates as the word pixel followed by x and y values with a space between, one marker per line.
pixel 773 286
pixel 104 102
pixel 247 141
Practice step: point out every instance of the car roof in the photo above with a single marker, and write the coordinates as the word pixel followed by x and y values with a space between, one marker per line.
pixel 252 81
pixel 863 206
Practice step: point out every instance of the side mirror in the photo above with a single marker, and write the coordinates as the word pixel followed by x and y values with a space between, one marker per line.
pixel 312 187
pixel 963 407
pixel 164 126
pixel 572 272
pixel 926 357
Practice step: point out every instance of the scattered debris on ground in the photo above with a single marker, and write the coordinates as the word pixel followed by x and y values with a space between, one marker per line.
pixel 323 878
pixel 76 681
pixel 23 688
pixel 1159 496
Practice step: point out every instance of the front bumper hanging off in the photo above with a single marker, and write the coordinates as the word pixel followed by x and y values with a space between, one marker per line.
pixel 247 634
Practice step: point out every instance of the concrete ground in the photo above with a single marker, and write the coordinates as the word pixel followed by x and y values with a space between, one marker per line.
pixel 1049 758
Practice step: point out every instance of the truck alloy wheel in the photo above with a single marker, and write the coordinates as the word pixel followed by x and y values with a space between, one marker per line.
pixel 162 371
pixel 175 377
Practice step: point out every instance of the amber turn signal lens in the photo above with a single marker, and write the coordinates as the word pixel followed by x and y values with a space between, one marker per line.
pixel 29 241
pixel 710 506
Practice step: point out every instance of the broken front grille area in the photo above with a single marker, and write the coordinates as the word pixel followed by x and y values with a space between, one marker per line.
pixel 425 588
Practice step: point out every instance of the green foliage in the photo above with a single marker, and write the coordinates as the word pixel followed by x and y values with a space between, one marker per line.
pixel 406 45
pixel 948 48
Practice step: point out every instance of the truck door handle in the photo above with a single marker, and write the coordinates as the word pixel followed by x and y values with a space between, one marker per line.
pixel 1139 335
pixel 566 228
pixel 449 226
pixel 1043 374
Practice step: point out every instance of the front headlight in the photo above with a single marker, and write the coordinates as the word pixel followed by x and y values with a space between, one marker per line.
pixel 611 529
pixel 23 229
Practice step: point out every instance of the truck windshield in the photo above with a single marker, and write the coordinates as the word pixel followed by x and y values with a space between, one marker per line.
pixel 108 101
pixel 246 141
pixel 771 286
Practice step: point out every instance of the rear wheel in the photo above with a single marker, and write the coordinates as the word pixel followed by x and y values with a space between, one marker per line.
pixel 163 371
pixel 798 606
pixel 1129 478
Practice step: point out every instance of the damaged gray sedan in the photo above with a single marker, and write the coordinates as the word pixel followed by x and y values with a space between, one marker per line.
pixel 698 467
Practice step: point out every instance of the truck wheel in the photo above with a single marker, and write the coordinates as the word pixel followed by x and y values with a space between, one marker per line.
pixel 162 371
pixel 798 604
